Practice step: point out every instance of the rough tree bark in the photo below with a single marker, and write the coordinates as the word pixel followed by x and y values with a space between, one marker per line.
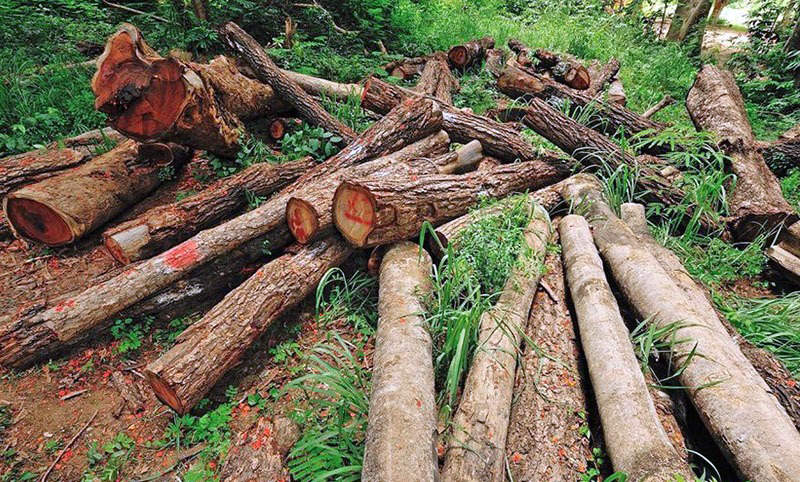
pixel 617 95
pixel 634 437
pixel 715 104
pixel 436 80
pixel 370 212
pixel 476 450
pixel 719 6
pixel 600 76
pixel 165 226
pixel 269 73
pixel 66 207
pixel 36 165
pixel 401 431
pixel 494 61
pixel 259 452
pixel 406 68
pixel 465 56
pixel 564 69
pixel 498 140
pixel 746 420
pixel 214 344
pixel 29 339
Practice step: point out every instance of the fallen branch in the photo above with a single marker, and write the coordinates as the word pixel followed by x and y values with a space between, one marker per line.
pixel 66 447
pixel 665 101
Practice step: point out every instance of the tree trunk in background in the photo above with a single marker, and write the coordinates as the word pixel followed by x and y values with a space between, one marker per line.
pixel 200 8
pixel 681 11
pixel 693 28
pixel 401 432
pixel 719 6
pixel 793 42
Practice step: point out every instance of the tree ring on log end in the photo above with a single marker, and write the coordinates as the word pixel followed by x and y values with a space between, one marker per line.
pixel 458 55
pixel 38 221
pixel 303 219
pixel 164 392
pixel 354 212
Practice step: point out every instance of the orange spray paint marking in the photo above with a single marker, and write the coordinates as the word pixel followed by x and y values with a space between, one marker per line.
pixel 296 225
pixel 182 255
pixel 352 211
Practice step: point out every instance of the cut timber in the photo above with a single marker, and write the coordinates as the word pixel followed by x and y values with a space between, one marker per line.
pixel 371 212
pixel 498 140
pixel 165 226
pixel 289 91
pixel 309 216
pixel 757 206
pixel 550 392
pixel 567 71
pixel 36 165
pixel 525 55
pixel 494 61
pixel 323 87
pixel 788 263
pixel 634 437
pixel 600 76
pixel 465 56
pixel 25 341
pixel 259 452
pixel 401 431
pixel 783 154
pixel 64 208
pixel 733 401
pixel 476 451
pixel 436 80
pixel 406 68
pixel 665 101
pixel 211 346
pixel 617 95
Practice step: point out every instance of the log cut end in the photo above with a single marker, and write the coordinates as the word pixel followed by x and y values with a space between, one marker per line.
pixel 165 393
pixel 458 56
pixel 303 219
pixel 124 246
pixel 354 210
pixel 38 221
pixel 277 129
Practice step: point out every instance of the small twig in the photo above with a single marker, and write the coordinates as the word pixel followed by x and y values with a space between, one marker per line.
pixel 548 291
pixel 329 14
pixel 138 12
pixel 66 447
pixel 74 394
pixel 665 101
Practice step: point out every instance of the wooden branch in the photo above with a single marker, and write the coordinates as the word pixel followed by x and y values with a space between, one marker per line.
pixel 664 102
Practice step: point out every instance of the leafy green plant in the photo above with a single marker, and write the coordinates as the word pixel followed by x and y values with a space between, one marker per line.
pixel 790 185
pixel 106 465
pixel 130 334
pixel 310 141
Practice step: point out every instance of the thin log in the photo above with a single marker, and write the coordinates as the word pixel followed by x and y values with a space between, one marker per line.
pixel 665 101
pixel 165 226
pixel 715 104
pixel 129 391
pixel 213 345
pixel 64 208
pixel 788 263
pixel 370 212
pixel 600 76
pixel 322 87
pixel 401 430
pixel 498 140
pixel 634 436
pixel 436 80
pixel 745 419
pixel 465 56
pixel 309 216
pixel 269 73
pixel 617 95
pixel 25 340
pixel 259 452
pixel 476 451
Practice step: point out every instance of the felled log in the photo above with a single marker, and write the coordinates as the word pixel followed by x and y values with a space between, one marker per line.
pixel 406 68
pixel 465 56
pixel 544 438
pixel 617 95
pixel 525 55
pixel 309 216
pixel 476 451
pixel 498 140
pixel 634 437
pixel 259 452
pixel 664 102
pixel 567 71
pixel 371 212
pixel 163 227
pixel 437 80
pixel 64 208
pixel 289 91
pixel 745 419
pixel 783 154
pixel 602 75
pixel 322 87
pixel 211 346
pixel 27 340
pixel 36 165
pixel 401 430
pixel 494 61
pixel 715 104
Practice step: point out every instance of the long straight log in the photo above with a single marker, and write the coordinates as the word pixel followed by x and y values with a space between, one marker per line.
pixel 165 226
pixel 715 104
pixel 371 212
pixel 745 419
pixel 436 80
pixel 29 339
pixel 269 73
pixel 498 140
pixel 213 345
pixel 309 216
pixel 66 207
pixel 635 439
pixel 401 430
pixel 476 451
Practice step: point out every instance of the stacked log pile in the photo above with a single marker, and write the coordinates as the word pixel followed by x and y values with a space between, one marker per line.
pixel 424 161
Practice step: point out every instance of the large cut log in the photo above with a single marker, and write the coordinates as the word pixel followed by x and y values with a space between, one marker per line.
pixel 783 154
pixel 401 430
pixel 498 140
pixel 371 212
pixel 476 450
pixel 290 92
pixel 634 437
pixel 550 406
pixel 211 346
pixel 29 339
pixel 715 104
pixel 310 216
pixel 66 207
pixel 745 419
pixel 770 368
pixel 465 56
pixel 165 226
pixel 258 453
pixel 150 98
pixel 436 80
